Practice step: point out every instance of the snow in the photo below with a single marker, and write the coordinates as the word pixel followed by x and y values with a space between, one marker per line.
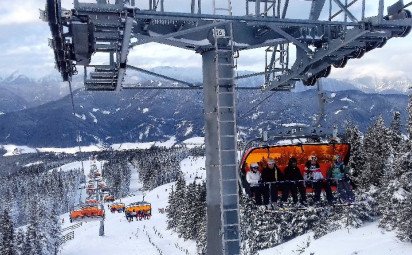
pixel 34 163
pixel 333 95
pixel 136 237
pixel 347 99
pixel 168 144
pixel 132 146
pixel 73 166
pixel 18 149
pixel 194 142
pixel 338 111
pixel 294 125
pixel 83 117
pixel 1 113
pixel 145 110
pixel 93 117
pixel 400 194
pixel 256 115
pixel 106 112
pixel 366 240
pixel 150 236
pixel 71 150
pixel 189 130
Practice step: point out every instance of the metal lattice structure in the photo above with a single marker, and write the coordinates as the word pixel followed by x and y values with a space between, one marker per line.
pixel 332 34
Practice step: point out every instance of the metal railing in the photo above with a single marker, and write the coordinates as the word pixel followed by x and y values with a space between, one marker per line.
pixel 77 225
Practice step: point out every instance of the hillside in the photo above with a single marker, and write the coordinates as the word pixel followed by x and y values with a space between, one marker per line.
pixel 123 237
pixel 144 116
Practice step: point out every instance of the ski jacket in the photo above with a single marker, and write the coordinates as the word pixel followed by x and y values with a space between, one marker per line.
pixel 253 178
pixel 313 172
pixel 293 173
pixel 272 175
pixel 338 171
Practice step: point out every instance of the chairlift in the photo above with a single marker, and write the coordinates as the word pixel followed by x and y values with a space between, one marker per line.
pixel 299 142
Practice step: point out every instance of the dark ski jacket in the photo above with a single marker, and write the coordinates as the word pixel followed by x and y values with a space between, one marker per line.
pixel 272 175
pixel 293 173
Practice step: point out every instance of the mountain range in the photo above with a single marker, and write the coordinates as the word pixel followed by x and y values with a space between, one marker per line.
pixel 38 112
pixel 154 115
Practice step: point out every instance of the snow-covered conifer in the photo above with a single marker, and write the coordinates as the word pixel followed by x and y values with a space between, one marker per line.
pixel 377 148
pixel 356 161
pixel 7 245
pixel 19 241
pixel 395 132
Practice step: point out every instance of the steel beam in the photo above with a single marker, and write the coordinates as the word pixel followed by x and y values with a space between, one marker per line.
pixel 159 38
pixel 290 38
pixel 346 11
pixel 137 87
pixel 144 15
pixel 316 9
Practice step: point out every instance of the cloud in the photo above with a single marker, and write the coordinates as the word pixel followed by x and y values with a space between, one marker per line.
pixel 24 40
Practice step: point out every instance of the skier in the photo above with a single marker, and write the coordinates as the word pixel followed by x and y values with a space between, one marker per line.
pixel 314 176
pixel 339 173
pixel 253 177
pixel 272 179
pixel 294 182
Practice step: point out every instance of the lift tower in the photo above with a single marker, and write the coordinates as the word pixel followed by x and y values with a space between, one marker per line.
pixel 333 32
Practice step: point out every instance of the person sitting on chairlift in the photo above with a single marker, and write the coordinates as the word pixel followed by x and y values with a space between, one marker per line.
pixel 272 179
pixel 294 182
pixel 339 173
pixel 253 177
pixel 313 175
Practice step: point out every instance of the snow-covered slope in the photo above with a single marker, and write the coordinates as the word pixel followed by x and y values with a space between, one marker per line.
pixel 19 149
pixel 150 237
pixel 138 237
pixel 366 240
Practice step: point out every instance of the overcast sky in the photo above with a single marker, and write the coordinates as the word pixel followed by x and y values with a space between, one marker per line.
pixel 24 43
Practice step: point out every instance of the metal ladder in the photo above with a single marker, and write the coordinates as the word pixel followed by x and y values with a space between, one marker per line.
pixel 226 120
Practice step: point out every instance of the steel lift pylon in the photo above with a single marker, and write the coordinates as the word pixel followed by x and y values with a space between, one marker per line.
pixel 334 32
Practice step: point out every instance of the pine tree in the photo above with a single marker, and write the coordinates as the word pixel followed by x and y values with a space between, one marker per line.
pixel 356 161
pixel 200 209
pixel 180 194
pixel 54 232
pixel 403 212
pixel 7 235
pixel 171 210
pixel 32 243
pixel 377 149
pixel 395 132
pixel 410 118
pixel 19 242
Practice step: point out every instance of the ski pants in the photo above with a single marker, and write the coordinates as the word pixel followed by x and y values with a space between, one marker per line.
pixel 345 191
pixel 293 188
pixel 256 192
pixel 270 192
pixel 318 185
